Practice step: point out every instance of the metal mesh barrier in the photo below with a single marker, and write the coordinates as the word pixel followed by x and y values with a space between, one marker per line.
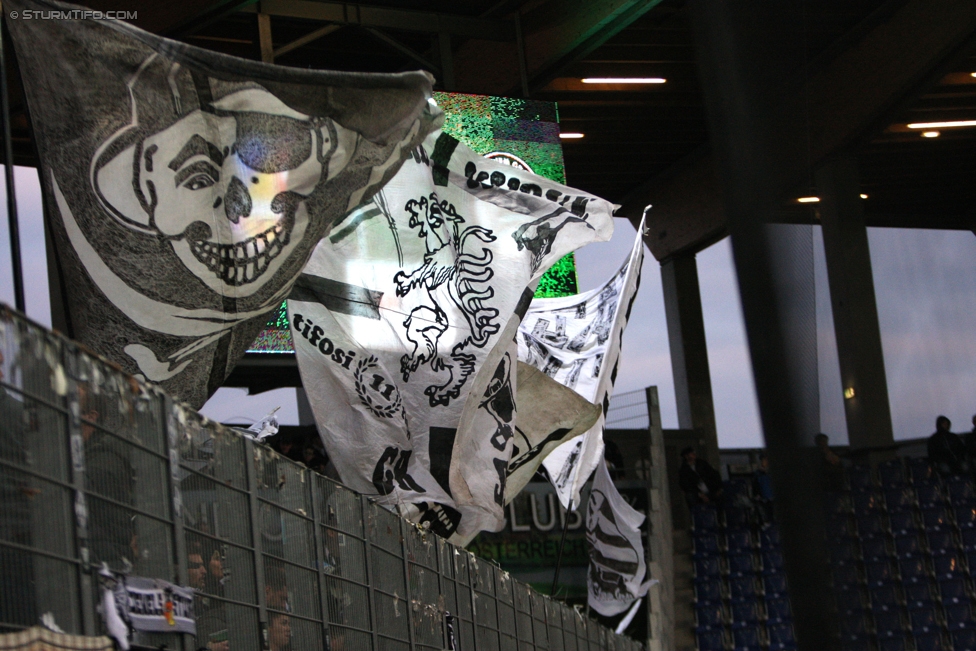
pixel 98 468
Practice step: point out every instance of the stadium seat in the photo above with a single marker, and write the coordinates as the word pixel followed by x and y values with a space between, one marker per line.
pixel 736 487
pixel 878 573
pixel 848 602
pixel 923 619
pixel 913 570
pixel 948 565
pixel 920 470
pixel 929 641
pixel 778 610
pixel 875 548
pixel 742 564
pixel 769 538
pixel 709 615
pixel 772 562
pixel 870 524
pixel 781 637
pixel 739 541
pixel 965 516
pixel 929 494
pixel 742 587
pixel 968 537
pixel 708 590
pixel 960 490
pixel 711 640
pixel 738 518
pixel 902 522
pixel 889 623
pixel 900 499
pixel 954 590
pixel 867 502
pixel 959 616
pixel 704 518
pixel 919 594
pixel 774 585
pixel 745 613
pixel 907 545
pixel 706 544
pixel 941 542
pixel 965 639
pixel 892 473
pixel 707 566
pixel 971 560
pixel 884 597
pixel 859 478
pixel 935 518
pixel 746 637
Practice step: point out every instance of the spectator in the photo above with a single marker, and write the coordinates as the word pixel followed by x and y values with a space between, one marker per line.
pixel 700 482
pixel 947 452
pixel 831 470
pixel 762 489
pixel 970 441
pixel 279 632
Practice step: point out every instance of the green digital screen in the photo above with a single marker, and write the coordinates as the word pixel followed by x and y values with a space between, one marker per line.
pixel 519 132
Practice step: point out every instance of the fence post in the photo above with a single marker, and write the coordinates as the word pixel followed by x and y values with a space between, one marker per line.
pixel 76 445
pixel 406 582
pixel 252 494
pixel 314 480
pixel 172 438
pixel 474 600
pixel 368 540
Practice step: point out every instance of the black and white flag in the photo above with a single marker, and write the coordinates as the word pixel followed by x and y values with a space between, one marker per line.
pixel 185 190
pixel 406 315
pixel 576 341
pixel 617 565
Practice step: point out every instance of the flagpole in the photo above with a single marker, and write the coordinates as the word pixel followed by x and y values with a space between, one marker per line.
pixel 8 151
pixel 559 554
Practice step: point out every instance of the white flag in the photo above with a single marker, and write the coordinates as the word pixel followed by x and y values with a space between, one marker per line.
pixel 576 341
pixel 617 566
pixel 412 305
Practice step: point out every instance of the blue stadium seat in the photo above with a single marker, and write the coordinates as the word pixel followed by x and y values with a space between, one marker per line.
pixel 870 524
pixel 920 594
pixel 884 597
pixel 711 640
pixel 935 518
pixel 848 602
pixel 708 590
pixel 965 639
pixel 845 577
pixel 781 637
pixel 742 564
pixel 971 560
pixel 889 623
pixel 929 494
pixel 742 587
pixel 940 542
pixel 739 541
pixel 924 619
pixel 920 470
pixel 903 522
pixel 875 548
pixel 948 565
pixel 913 570
pixel 707 566
pixel 706 544
pixel 772 562
pixel 867 502
pixel 745 613
pixel 704 518
pixel 961 490
pixel 769 538
pixel 907 545
pixel 778 610
pixel 893 644
pixel 859 478
pixel 709 615
pixel 965 516
pixel 774 585
pixel 746 637
pixel 892 473
pixel 878 573
pixel 900 499
pixel 929 641
pixel 738 518
pixel 968 536
pixel 954 590
pixel 959 616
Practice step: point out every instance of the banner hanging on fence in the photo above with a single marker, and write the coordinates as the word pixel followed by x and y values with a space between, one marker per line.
pixel 410 307
pixel 617 565
pixel 576 341
pixel 185 189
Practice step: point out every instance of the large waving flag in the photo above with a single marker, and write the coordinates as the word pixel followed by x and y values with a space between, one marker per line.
pixel 185 189
pixel 576 341
pixel 406 315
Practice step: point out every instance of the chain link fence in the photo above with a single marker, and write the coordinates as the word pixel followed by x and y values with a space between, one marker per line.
pixel 98 468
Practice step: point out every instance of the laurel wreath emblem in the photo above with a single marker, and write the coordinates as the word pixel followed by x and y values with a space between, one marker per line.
pixel 381 411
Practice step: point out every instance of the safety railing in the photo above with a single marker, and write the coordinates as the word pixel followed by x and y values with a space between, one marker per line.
pixel 98 468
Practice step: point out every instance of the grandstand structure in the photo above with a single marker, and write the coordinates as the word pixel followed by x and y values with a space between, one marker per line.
pixel 765 104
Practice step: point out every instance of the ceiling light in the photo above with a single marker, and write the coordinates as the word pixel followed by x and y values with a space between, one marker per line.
pixel 624 80
pixel 864 196
pixel 570 136
pixel 808 200
pixel 942 125
pixel 930 134
pixel 972 74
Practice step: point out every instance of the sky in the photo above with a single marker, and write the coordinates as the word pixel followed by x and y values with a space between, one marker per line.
pixel 925 283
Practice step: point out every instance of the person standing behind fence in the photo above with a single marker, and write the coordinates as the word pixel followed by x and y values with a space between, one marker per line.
pixel 831 469
pixel 947 452
pixel 279 632
pixel 700 482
